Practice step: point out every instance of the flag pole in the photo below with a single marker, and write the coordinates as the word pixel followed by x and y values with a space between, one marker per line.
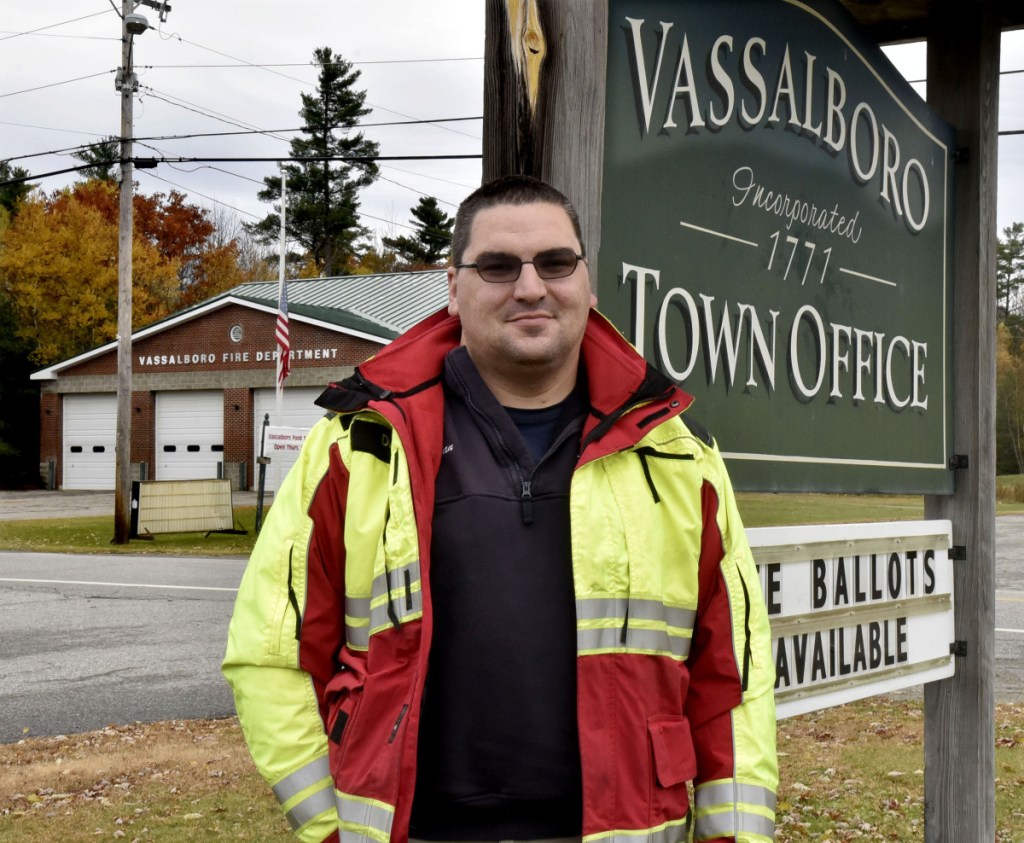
pixel 281 332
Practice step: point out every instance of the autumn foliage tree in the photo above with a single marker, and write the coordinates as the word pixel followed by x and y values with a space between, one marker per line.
pixel 58 266
pixel 181 233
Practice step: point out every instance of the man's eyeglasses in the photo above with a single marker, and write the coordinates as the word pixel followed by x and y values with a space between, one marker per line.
pixel 499 268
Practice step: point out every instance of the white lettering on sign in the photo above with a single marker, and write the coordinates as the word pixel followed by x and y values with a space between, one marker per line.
pixel 812 103
pixel 855 609
pixel 791 209
pixel 232 357
pixel 284 440
pixel 842 361
pixel 177 359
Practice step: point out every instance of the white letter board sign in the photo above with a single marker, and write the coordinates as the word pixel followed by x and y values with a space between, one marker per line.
pixel 856 609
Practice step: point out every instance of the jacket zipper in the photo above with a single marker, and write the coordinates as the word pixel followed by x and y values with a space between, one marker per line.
pixel 525 483
pixel 747 655
pixel 398 722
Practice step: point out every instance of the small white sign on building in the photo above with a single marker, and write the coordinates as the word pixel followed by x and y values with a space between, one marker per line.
pixel 856 609
pixel 282 446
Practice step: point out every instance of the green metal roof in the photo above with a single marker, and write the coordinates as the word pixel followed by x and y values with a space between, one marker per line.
pixel 384 305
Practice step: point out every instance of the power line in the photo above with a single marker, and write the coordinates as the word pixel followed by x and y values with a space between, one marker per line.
pixel 53 25
pixel 305 159
pixel 269 69
pixel 262 182
pixel 208 113
pixel 53 129
pixel 149 163
pixel 55 84
pixel 301 128
pixel 1001 73
pixel 414 190
pixel 361 214
pixel 58 35
pixel 433 178
pixel 197 193
pixel 81 146
pixel 265 66
pixel 219 170
pixel 236 59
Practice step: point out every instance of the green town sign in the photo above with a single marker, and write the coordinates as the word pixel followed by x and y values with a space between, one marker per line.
pixel 776 238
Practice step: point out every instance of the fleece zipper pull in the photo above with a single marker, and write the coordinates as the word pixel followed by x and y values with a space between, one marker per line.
pixel 527 499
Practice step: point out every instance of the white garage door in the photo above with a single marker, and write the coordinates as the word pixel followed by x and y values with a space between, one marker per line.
pixel 297 411
pixel 90 428
pixel 189 435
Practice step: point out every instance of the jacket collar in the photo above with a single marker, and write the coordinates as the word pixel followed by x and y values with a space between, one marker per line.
pixel 620 380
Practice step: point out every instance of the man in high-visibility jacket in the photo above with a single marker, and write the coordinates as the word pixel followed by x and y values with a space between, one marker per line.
pixel 504 593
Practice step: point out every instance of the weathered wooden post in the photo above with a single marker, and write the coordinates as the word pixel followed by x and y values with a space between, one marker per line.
pixel 544 67
pixel 963 87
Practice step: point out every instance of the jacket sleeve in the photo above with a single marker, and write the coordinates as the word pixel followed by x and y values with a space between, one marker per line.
pixel 285 632
pixel 731 702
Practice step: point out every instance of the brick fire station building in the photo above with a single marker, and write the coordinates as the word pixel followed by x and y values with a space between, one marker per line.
pixel 203 379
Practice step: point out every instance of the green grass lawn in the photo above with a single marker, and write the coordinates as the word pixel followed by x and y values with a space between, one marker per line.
pixel 759 509
pixel 94 534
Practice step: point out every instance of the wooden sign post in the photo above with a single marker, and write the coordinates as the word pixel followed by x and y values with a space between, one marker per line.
pixel 959 739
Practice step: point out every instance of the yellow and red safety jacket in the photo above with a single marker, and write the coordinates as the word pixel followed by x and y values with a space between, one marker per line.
pixel 327 648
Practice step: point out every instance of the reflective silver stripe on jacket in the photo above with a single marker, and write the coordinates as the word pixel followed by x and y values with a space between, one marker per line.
pixel 320 800
pixel 731 823
pixel 311 807
pixel 396 596
pixel 357 622
pixel 729 793
pixel 672 832
pixel 632 624
pixel 736 801
pixel 364 820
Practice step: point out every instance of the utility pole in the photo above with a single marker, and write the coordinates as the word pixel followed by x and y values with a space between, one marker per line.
pixel 127 84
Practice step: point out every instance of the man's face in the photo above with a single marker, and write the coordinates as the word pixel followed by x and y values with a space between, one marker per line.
pixel 528 327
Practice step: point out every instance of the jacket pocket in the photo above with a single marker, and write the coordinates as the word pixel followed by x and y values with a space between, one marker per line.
pixel 283 599
pixel 675 762
pixel 340 727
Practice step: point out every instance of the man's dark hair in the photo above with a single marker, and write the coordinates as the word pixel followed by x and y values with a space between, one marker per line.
pixel 508 190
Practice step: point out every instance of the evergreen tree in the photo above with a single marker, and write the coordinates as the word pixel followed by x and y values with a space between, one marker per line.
pixel 12 194
pixel 433 238
pixel 323 201
pixel 19 406
pixel 104 157
pixel 19 397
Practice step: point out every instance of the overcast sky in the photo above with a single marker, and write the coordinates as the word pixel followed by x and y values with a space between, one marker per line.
pixel 419 61
pixel 198 74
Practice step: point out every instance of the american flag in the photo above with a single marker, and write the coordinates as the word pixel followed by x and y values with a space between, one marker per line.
pixel 281 334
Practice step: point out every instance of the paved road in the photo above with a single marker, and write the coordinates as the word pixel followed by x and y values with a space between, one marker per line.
pixel 1009 608
pixel 90 640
